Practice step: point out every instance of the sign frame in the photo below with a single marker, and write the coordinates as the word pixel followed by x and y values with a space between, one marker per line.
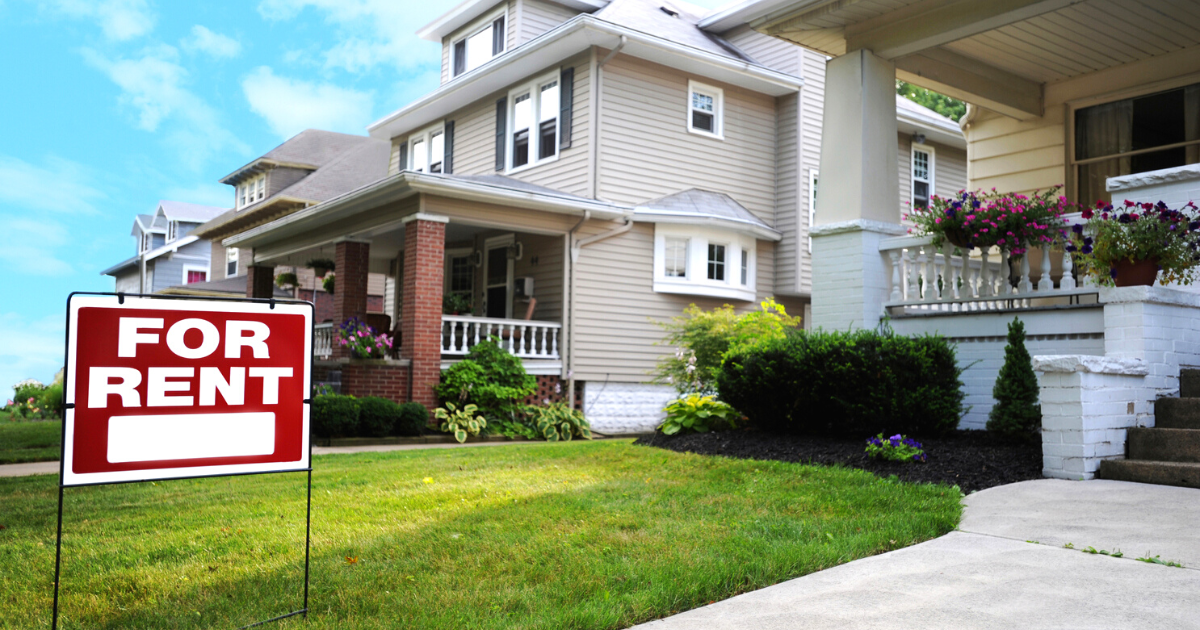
pixel 203 303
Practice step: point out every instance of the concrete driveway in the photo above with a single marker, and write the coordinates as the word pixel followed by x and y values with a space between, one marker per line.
pixel 987 574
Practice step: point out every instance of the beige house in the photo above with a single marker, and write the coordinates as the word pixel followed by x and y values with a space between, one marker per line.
pixel 585 168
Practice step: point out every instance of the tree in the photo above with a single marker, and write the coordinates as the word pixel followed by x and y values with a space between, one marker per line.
pixel 951 108
pixel 1017 412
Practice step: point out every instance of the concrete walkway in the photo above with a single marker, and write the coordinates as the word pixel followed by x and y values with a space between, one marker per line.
pixel 986 574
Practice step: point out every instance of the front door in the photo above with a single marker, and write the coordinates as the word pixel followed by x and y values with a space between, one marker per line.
pixel 499 275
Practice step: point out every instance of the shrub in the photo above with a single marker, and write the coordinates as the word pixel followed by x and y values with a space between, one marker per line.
pixel 413 419
pixel 376 416
pixel 490 378
pixel 846 384
pixel 558 421
pixel 52 400
pixel 334 415
pixel 699 414
pixel 1017 413
pixel 896 448
pixel 460 422
pixel 704 338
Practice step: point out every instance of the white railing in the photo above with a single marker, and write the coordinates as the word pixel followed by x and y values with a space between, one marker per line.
pixel 525 339
pixel 323 340
pixel 946 279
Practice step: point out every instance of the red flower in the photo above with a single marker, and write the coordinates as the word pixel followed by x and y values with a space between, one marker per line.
pixel 1087 213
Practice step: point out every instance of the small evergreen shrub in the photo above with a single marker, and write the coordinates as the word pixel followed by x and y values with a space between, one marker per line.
pixel 376 416
pixel 490 378
pixel 847 384
pixel 413 419
pixel 1017 413
pixel 334 415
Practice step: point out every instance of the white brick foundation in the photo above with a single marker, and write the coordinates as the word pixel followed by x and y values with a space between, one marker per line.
pixel 613 408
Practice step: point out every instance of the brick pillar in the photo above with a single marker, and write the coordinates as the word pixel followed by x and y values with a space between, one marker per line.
pixel 421 303
pixel 351 260
pixel 260 281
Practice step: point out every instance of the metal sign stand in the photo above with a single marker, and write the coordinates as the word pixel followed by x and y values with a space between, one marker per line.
pixel 303 611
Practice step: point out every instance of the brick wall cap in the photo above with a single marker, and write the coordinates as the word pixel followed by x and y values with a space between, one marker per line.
pixel 1151 295
pixel 352 361
pixel 859 225
pixel 1153 178
pixel 1067 363
pixel 424 216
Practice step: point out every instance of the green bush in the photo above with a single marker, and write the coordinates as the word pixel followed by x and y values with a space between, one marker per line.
pixel 376 416
pixel 52 400
pixel 1017 413
pixel 413 419
pixel 334 415
pixel 490 378
pixel 699 414
pixel 846 384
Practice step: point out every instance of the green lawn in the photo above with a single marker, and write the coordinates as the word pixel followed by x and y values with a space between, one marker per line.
pixel 554 536
pixel 23 441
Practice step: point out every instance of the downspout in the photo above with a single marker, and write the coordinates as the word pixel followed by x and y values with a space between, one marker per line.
pixel 577 245
pixel 597 103
pixel 569 348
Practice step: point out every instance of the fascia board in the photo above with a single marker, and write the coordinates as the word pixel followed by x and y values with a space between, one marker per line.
pixel 260 162
pixel 687 218
pixel 119 266
pixel 574 36
pixel 173 246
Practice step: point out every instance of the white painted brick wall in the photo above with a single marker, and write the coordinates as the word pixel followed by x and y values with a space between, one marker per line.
pixel 851 280
pixel 613 408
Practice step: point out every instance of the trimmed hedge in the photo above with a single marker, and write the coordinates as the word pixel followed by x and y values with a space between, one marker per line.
pixel 376 416
pixel 412 421
pixel 846 384
pixel 334 415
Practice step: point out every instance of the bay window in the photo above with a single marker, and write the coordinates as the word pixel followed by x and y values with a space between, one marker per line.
pixel 704 261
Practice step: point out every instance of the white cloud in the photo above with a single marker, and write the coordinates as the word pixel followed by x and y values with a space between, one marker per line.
pixel 290 106
pixel 29 248
pixel 153 85
pixel 214 44
pixel 60 186
pixel 120 20
pixel 29 349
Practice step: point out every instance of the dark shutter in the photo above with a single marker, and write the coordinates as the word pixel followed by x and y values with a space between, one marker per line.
pixel 448 148
pixel 501 131
pixel 402 159
pixel 460 57
pixel 566 101
pixel 498 36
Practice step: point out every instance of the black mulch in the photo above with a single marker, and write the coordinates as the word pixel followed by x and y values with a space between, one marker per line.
pixel 972 460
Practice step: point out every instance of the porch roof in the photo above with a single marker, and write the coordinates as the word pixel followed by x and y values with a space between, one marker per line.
pixel 998 54
pixel 702 207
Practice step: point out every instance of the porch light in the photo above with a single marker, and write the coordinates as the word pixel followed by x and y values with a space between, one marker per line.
pixel 918 138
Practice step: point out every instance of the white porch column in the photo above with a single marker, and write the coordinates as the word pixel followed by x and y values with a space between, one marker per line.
pixel 858 192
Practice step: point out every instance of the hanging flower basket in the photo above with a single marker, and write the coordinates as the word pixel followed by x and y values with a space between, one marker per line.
pixel 957 236
pixel 320 266
pixel 1141 273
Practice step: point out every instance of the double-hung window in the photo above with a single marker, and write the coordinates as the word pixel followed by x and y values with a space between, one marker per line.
pixel 922 176
pixel 705 112
pixel 479 45
pixel 535 125
pixel 427 150
pixel 231 262
pixel 252 190
pixel 170 231
pixel 699 260
pixel 716 262
pixel 675 255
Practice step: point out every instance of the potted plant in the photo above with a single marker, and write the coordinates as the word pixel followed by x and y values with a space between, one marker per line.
pixel 287 281
pixel 328 283
pixel 362 341
pixel 320 266
pixel 1010 221
pixel 456 304
pixel 1130 245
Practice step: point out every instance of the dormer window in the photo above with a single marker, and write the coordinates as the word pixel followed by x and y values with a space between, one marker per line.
pixel 534 135
pixel 145 243
pixel 427 150
pixel 251 190
pixel 170 231
pixel 479 45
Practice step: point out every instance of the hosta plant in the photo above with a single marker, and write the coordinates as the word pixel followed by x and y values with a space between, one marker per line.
pixel 699 414
pixel 559 421
pixel 460 422
pixel 896 448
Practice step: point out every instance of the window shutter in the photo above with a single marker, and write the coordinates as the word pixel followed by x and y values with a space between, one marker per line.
pixel 566 99
pixel 402 159
pixel 448 148
pixel 501 131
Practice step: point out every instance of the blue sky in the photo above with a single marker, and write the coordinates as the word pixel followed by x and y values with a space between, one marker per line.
pixel 111 105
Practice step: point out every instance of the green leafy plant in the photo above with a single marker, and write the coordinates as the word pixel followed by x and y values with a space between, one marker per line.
pixel 461 422
pixel 1017 413
pixel 699 414
pixel 334 415
pixel 951 108
pixel 491 378
pixel 897 448
pixel 328 283
pixel 287 281
pixel 558 421
pixel 704 338
pixel 456 304
pixel 1157 560
pixel 376 416
pixel 512 429
pixel 1137 232
pixel 320 266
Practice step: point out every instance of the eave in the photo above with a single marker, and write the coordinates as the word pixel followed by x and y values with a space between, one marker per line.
pixel 756 230
pixel 261 165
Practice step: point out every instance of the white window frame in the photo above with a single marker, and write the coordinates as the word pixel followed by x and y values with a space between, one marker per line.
pixel 171 231
pixel 477 27
pixel 250 191
pixel 190 268
pixel 718 96
pixel 912 176
pixel 696 281
pixel 425 137
pixel 814 176
pixel 534 88
pixel 687 244
pixel 233 259
pixel 743 268
pixel 451 254
pixel 145 242
pixel 725 266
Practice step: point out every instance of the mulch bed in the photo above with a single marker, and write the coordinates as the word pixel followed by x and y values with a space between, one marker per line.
pixel 972 460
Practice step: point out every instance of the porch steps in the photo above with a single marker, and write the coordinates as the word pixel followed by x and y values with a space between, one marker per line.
pixel 1168 454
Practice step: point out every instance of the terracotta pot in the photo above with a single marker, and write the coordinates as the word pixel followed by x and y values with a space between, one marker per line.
pixel 956 236
pixel 1136 274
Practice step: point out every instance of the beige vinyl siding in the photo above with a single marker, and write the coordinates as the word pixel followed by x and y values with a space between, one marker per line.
pixel 394 158
pixel 513 17
pixel 646 151
pixel 446 59
pixel 500 217
pixel 543 261
pixel 812 106
pixel 537 17
pixel 616 306
pixel 787 191
pixel 949 170
pixel 1017 156
pixel 771 52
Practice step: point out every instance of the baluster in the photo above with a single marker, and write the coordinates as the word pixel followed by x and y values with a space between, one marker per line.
pixel 912 290
pixel 952 273
pixel 543 343
pixel 1005 272
pixel 444 325
pixel 925 262
pixel 968 276
pixel 1045 284
pixel 512 333
pixel 1025 287
pixel 939 274
pixel 1067 283
pixel 986 288
pixel 894 255
pixel 554 342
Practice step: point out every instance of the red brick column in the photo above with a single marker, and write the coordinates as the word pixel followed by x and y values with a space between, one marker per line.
pixel 260 281
pixel 421 304
pixel 351 260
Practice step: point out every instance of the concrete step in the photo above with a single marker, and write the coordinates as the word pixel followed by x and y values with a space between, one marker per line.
pixel 1164 445
pixel 1177 413
pixel 1182 474
pixel 1189 383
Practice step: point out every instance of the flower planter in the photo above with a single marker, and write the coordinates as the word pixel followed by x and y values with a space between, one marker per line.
pixel 1141 273
pixel 956 236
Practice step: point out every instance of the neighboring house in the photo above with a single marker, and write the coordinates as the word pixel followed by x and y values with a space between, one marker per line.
pixel 168 253
pixel 585 169
pixel 311 167
pixel 1101 97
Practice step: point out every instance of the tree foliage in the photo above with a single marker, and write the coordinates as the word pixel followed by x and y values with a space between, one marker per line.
pixel 1017 412
pixel 951 108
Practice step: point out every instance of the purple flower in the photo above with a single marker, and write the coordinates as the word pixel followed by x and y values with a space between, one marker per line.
pixel 1077 228
pixel 1113 272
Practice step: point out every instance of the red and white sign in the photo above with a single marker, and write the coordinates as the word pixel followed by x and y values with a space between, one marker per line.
pixel 167 388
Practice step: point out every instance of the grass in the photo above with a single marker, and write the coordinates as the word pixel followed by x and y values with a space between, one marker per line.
pixel 546 536
pixel 29 441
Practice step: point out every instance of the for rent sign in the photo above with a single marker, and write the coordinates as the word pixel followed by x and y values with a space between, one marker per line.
pixel 165 388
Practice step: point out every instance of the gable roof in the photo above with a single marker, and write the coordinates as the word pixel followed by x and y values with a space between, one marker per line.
pixel 192 212
pixel 696 207
pixel 650 16
pixel 145 222
pixel 468 10
pixel 309 149
pixel 226 287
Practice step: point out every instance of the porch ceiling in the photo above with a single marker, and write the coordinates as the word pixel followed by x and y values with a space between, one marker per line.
pixel 999 54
